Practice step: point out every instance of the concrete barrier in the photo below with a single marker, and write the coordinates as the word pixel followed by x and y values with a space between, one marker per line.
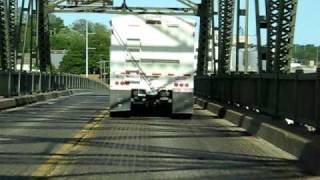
pixel 234 116
pixel 202 103
pixel 7 103
pixel 216 109
pixel 294 140
pixel 29 99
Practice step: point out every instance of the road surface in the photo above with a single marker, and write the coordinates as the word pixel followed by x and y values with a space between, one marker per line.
pixel 74 138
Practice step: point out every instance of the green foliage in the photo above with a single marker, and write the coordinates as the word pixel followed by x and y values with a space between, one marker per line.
pixel 305 53
pixel 73 40
pixel 56 24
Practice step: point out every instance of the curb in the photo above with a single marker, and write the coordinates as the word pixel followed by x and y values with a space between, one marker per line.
pixel 8 103
pixel 294 140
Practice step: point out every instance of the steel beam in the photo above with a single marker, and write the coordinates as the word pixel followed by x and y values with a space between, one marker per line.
pixel 3 62
pixel 9 34
pixel 214 44
pixel 281 16
pixel 189 3
pixel 43 39
pixel 261 24
pixel 226 15
pixel 124 10
pixel 205 13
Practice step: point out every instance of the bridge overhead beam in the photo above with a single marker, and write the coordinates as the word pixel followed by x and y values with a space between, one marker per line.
pixel 281 17
pixel 226 15
pixel 125 10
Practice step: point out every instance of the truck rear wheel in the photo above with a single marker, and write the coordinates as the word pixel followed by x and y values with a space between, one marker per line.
pixel 181 116
pixel 120 114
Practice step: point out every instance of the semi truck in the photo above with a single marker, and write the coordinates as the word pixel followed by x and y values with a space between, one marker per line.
pixel 151 63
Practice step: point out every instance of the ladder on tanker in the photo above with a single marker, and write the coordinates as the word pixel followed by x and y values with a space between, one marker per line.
pixel 135 62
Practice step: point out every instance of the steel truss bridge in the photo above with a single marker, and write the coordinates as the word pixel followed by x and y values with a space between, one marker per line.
pixel 275 24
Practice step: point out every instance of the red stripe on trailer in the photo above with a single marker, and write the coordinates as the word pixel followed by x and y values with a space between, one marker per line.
pixel 187 75
pixel 170 74
pixel 129 72
pixel 156 74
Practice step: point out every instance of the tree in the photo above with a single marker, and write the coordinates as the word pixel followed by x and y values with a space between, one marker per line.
pixel 74 41
pixel 305 53
pixel 56 24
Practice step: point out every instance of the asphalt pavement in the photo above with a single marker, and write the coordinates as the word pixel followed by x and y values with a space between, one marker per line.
pixel 74 138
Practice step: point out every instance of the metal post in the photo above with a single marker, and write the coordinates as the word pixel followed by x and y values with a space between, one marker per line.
pixel 100 63
pixel 260 23
pixel 238 34
pixel 87 51
pixel 72 81
pixel 296 92
pixel 43 34
pixel 213 38
pixel 104 71
pixel 317 101
pixel 9 83
pixel 226 14
pixel 205 13
pixel 32 83
pixel 49 82
pixel 317 63
pixel 19 83
pixel 40 82
pixel 246 45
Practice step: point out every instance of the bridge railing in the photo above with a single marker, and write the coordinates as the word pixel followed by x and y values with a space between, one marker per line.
pixel 31 83
pixel 293 96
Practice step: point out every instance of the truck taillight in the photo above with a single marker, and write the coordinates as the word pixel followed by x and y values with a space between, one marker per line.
pixel 122 83
pixel 181 85
pixel 127 83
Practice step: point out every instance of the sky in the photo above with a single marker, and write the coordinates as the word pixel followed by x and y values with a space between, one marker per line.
pixel 307 27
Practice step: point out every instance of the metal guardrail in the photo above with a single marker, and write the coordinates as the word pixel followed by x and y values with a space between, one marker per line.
pixel 294 96
pixel 31 83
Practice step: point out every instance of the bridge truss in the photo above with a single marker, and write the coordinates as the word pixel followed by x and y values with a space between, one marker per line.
pixel 215 16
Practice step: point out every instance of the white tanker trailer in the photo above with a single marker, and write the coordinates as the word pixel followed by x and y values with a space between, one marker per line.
pixel 151 63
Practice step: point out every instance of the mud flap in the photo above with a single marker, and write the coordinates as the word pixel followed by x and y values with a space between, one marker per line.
pixel 120 101
pixel 182 103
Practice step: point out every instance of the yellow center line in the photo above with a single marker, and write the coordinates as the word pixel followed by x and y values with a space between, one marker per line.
pixel 54 160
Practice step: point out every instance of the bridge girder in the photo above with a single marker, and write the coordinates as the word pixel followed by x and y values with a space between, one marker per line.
pixel 226 15
pixel 7 33
pixel 281 16
pixel 2 37
pixel 279 22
